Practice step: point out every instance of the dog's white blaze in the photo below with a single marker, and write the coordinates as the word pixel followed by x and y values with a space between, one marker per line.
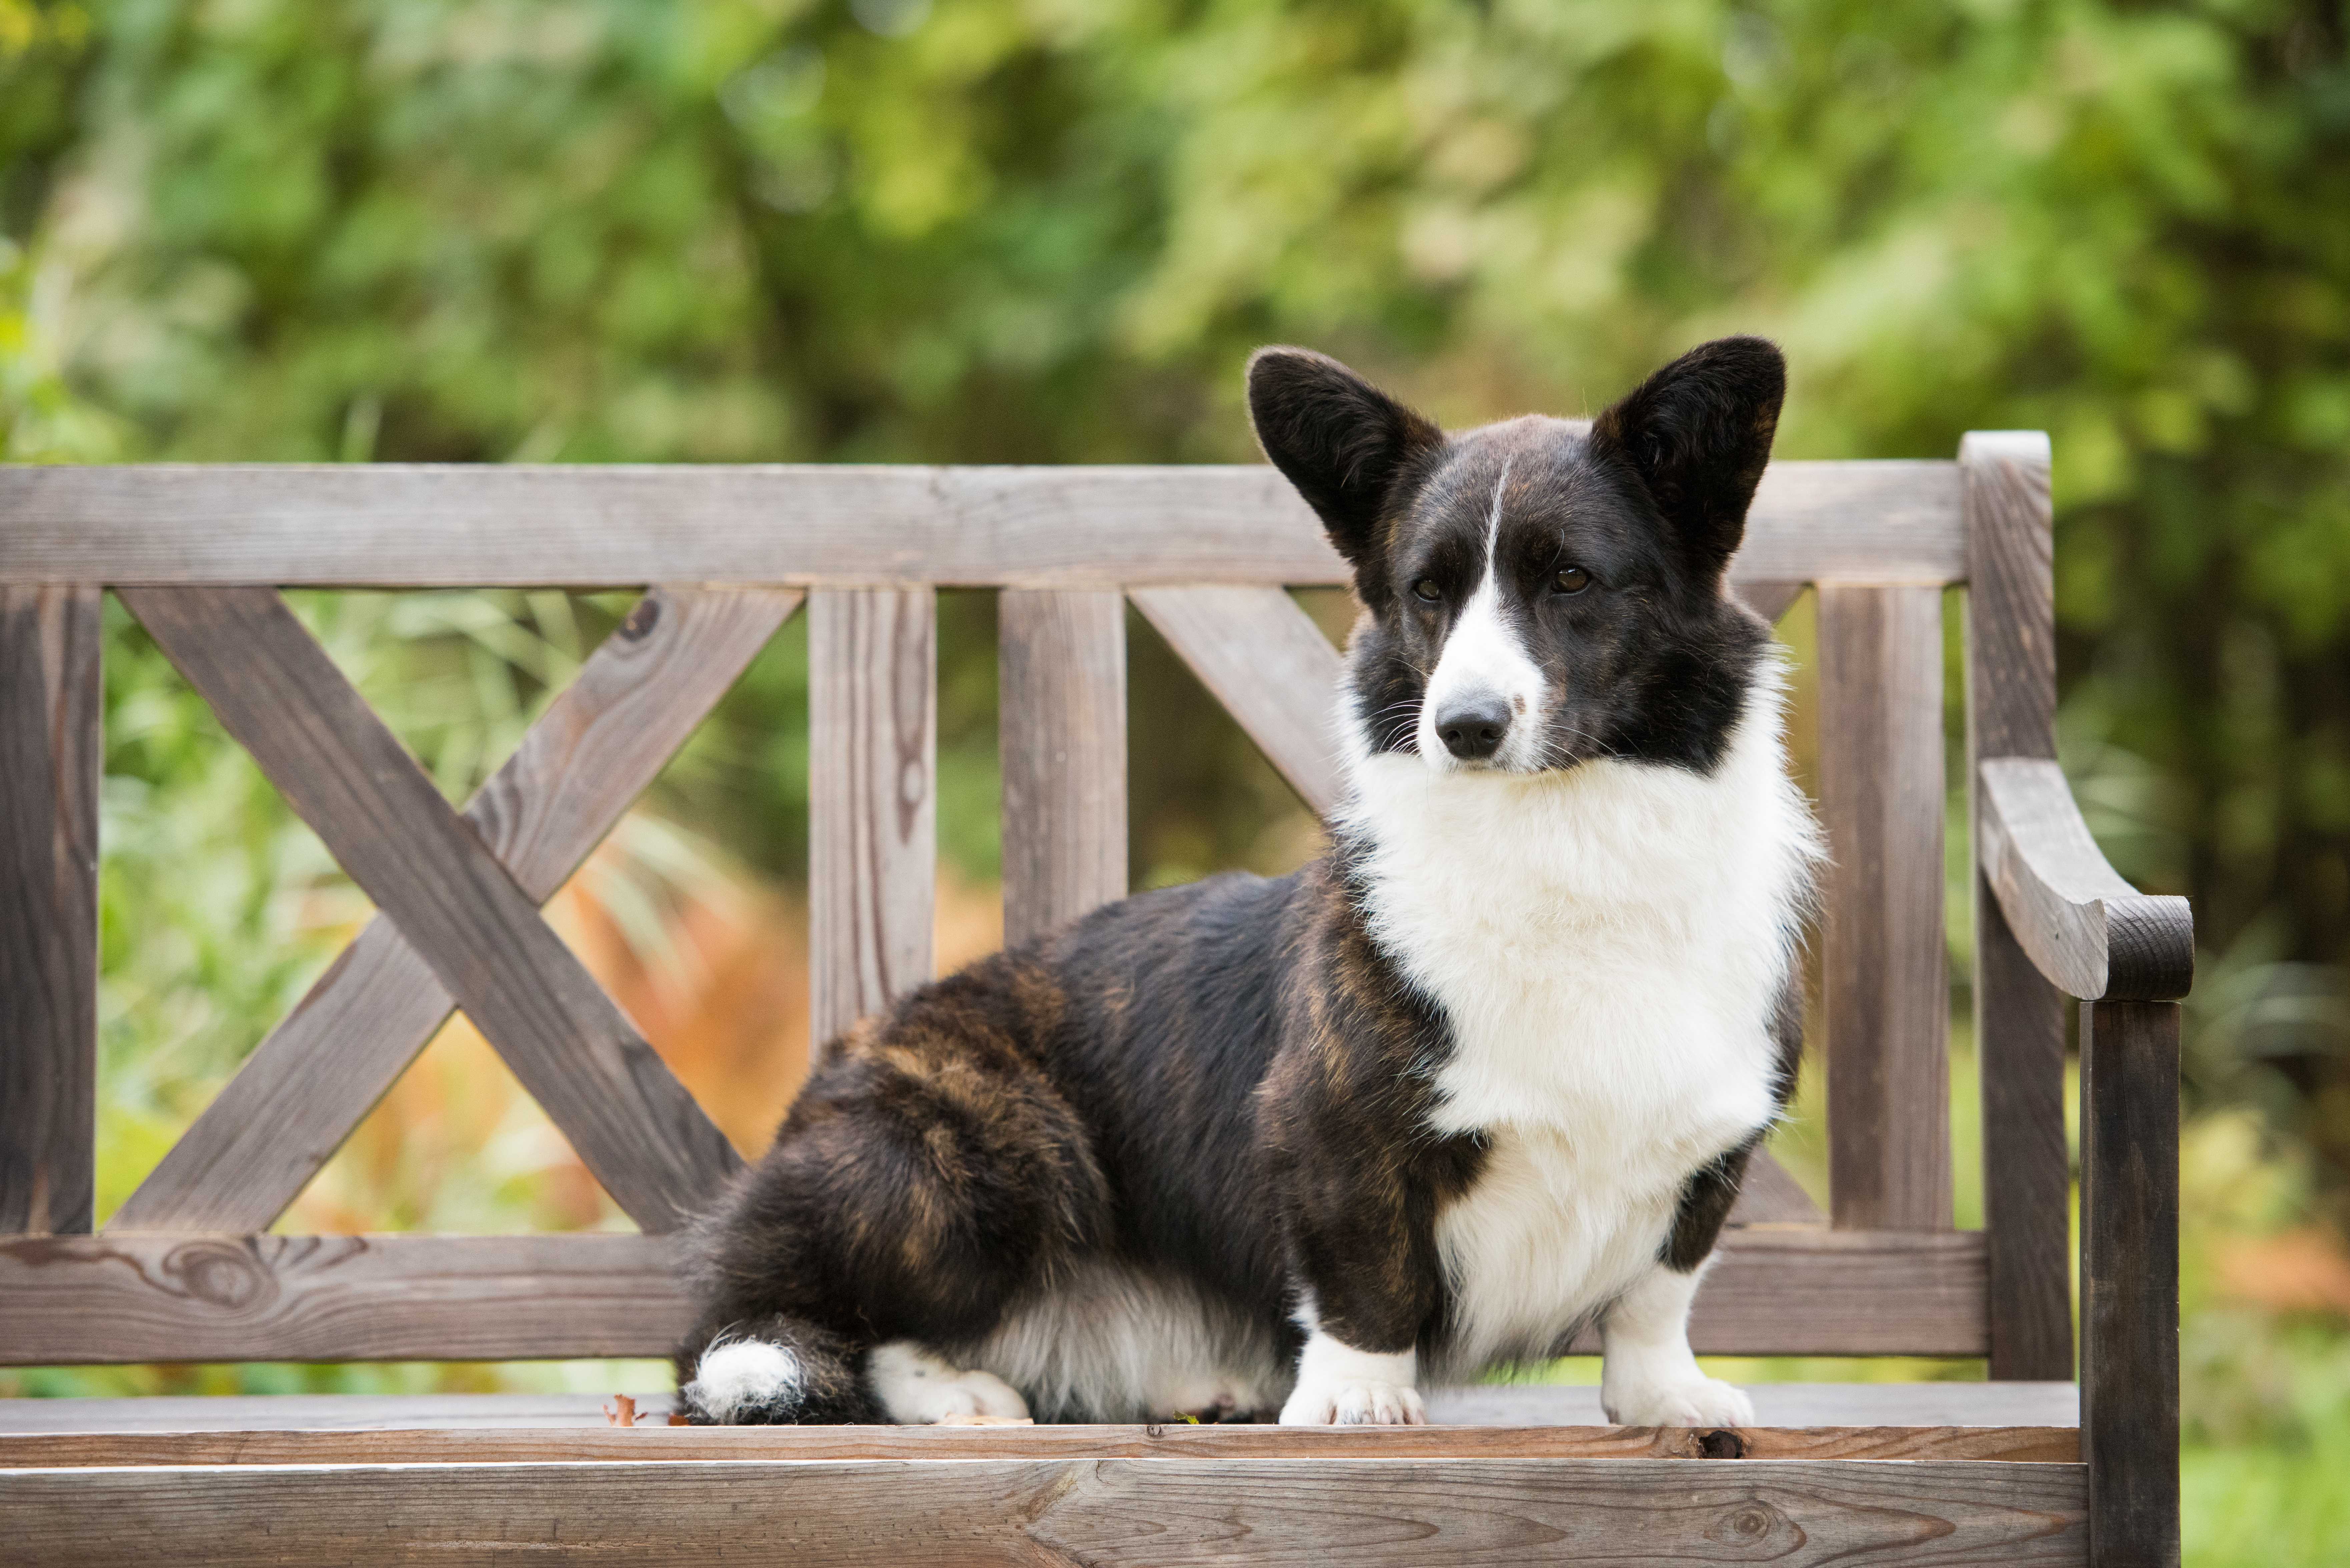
pixel 738 1375
pixel 1607 943
pixel 1483 654
pixel 1108 1343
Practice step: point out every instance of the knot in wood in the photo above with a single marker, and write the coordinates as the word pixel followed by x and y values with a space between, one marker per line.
pixel 1755 1530
pixel 220 1274
pixel 1720 1444
pixel 641 620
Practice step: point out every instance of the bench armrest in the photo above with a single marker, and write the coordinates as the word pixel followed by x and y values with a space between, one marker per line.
pixel 2092 934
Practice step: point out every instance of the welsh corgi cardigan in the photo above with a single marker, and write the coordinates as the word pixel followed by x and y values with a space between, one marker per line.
pixel 1487 1072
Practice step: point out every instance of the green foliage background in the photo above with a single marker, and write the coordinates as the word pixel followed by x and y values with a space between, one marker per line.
pixel 1051 230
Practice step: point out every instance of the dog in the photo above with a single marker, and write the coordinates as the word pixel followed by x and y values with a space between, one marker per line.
pixel 1486 1074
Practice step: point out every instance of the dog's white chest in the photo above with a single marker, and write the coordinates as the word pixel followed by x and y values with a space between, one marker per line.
pixel 1608 948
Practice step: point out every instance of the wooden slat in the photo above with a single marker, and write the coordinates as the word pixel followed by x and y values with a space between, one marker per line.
pixel 1786 1409
pixel 51 754
pixel 383 524
pixel 2129 1280
pixel 873 698
pixel 1265 660
pixel 542 1445
pixel 131 1298
pixel 134 1297
pixel 276 690
pixel 1062 717
pixel 1886 994
pixel 2018 1016
pixel 600 743
pixel 1162 1513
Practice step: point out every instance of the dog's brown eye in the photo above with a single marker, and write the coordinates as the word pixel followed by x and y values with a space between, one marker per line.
pixel 1426 588
pixel 1571 580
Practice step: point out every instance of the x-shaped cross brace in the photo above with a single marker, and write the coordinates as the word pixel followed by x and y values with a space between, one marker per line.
pixel 459 896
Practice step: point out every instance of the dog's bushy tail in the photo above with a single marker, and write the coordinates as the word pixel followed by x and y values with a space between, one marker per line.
pixel 774 1371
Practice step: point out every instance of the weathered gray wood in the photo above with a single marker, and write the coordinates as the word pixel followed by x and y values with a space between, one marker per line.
pixel 1265 660
pixel 131 1297
pixel 279 695
pixel 386 524
pixel 873 698
pixel 2019 1017
pixel 2027 1228
pixel 51 754
pixel 2129 1280
pixel 1789 1410
pixel 600 743
pixel 2087 928
pixel 654 1440
pixel 1062 717
pixel 1159 1512
pixel 1785 1406
pixel 1886 994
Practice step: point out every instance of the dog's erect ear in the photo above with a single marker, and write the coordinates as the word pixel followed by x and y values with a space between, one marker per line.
pixel 1697 433
pixel 1341 441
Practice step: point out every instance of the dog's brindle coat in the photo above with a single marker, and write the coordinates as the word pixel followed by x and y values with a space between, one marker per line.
pixel 1131 1169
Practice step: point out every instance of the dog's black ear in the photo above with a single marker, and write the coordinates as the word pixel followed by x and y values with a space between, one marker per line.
pixel 1341 441
pixel 1697 433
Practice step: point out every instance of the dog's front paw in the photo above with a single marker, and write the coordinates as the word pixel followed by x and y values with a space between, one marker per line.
pixel 1693 1401
pixel 1354 1403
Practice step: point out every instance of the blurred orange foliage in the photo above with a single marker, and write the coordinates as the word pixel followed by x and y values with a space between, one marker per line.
pixel 721 990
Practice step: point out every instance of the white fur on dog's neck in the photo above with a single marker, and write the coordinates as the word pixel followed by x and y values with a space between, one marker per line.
pixel 1608 943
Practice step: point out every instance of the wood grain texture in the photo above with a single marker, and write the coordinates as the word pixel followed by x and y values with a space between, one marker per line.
pixel 1778 1408
pixel 131 1297
pixel 2027 1222
pixel 1163 1513
pixel 2018 1016
pixel 1061 662
pixel 279 695
pixel 601 741
pixel 873 764
pixel 659 1441
pixel 1265 660
pixel 385 525
pixel 2129 1280
pixel 1886 994
pixel 2087 928
pixel 51 753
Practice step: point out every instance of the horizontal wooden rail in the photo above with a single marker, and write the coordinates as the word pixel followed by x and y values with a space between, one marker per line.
pixel 130 1298
pixel 970 1513
pixel 541 1445
pixel 383 525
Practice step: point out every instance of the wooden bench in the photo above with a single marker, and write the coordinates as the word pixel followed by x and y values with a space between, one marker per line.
pixel 186 1270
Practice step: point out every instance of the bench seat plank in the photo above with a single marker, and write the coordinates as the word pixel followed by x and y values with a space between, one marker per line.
pixel 1160 1513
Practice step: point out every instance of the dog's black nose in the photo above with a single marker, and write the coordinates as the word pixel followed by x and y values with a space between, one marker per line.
pixel 1472 728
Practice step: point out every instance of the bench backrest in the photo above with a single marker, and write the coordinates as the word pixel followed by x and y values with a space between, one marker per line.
pixel 184 1270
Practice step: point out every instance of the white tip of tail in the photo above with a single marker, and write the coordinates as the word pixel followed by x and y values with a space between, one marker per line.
pixel 743 1375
